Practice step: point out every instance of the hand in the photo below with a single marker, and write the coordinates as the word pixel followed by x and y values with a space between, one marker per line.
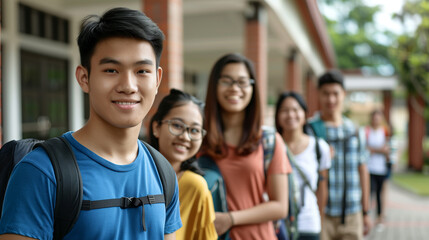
pixel 366 224
pixel 386 150
pixel 223 222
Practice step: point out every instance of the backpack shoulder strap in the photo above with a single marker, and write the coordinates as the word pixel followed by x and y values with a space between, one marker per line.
pixel 215 182
pixel 367 129
pixel 269 144
pixel 318 127
pixel 318 152
pixel 206 162
pixel 301 173
pixel 69 184
pixel 166 173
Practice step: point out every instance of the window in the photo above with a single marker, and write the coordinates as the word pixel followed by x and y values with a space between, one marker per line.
pixel 44 95
pixel 44 25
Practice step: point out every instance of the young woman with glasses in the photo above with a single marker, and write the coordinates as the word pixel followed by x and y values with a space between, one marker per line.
pixel 233 121
pixel 176 130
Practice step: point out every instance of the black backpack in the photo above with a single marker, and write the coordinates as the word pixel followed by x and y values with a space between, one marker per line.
pixel 69 201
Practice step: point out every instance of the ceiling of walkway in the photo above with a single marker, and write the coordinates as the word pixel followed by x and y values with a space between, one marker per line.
pixel 211 29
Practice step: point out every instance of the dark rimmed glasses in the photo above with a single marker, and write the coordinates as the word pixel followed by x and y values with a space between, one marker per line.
pixel 177 128
pixel 243 82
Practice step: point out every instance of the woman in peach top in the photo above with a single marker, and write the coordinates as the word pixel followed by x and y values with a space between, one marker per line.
pixel 233 141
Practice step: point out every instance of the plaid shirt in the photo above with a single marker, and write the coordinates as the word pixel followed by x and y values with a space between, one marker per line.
pixel 344 139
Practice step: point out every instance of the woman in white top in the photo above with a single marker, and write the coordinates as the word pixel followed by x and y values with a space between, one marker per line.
pixel 309 171
pixel 377 141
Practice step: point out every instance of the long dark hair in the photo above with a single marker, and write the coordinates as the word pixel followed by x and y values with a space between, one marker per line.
pixel 214 143
pixel 280 100
pixel 176 98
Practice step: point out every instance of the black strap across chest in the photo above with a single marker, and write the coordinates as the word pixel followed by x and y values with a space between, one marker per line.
pixel 124 202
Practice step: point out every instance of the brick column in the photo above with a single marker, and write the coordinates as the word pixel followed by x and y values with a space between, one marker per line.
pixel 1 106
pixel 387 103
pixel 416 132
pixel 292 82
pixel 311 94
pixel 256 46
pixel 168 15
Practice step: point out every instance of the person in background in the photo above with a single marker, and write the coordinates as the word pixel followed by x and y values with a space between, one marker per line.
pixel 120 53
pixel 378 137
pixel 178 125
pixel 233 120
pixel 309 171
pixel 346 214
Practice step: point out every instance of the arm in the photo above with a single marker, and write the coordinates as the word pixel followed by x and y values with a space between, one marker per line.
pixel 322 192
pixel 28 206
pixel 364 182
pixel 383 150
pixel 274 209
pixel 173 221
pixel 171 236
pixel 14 237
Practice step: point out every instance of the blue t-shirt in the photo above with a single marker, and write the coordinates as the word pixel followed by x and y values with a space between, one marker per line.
pixel 29 203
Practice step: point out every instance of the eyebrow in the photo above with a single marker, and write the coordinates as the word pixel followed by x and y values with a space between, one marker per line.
pixel 192 124
pixel 108 60
pixel 228 76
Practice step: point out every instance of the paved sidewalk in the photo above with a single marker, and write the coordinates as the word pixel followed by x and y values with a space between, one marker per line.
pixel 407 216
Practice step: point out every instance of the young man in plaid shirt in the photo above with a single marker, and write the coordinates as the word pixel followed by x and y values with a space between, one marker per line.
pixel 346 214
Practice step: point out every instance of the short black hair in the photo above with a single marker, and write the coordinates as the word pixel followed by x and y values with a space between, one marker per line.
pixel 176 98
pixel 331 76
pixel 117 22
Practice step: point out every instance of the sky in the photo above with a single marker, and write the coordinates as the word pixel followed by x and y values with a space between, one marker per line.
pixel 384 17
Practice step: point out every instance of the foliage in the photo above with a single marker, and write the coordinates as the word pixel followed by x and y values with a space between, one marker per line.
pixel 412 50
pixel 357 42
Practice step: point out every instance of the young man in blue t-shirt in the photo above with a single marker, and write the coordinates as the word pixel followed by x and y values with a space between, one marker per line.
pixel 346 213
pixel 120 53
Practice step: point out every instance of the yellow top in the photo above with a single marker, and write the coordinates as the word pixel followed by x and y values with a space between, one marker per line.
pixel 196 208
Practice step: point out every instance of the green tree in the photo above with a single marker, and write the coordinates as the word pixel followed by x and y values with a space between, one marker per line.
pixel 357 42
pixel 412 50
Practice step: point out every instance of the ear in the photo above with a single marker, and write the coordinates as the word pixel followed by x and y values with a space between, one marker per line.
pixel 155 129
pixel 82 78
pixel 158 78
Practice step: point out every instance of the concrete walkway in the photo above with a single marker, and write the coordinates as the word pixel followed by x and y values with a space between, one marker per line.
pixel 407 216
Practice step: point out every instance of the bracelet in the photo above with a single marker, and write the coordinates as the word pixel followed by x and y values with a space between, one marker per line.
pixel 365 213
pixel 232 219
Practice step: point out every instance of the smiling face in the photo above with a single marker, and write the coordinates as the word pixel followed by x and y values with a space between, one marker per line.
pixel 177 149
pixel 122 83
pixel 291 115
pixel 234 99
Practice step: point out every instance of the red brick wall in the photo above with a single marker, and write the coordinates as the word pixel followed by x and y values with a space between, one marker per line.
pixel 387 103
pixel 311 95
pixel 293 78
pixel 256 48
pixel 416 132
pixel 168 14
pixel 1 106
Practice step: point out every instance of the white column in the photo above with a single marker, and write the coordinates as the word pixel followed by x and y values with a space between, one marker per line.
pixel 12 117
pixel 76 103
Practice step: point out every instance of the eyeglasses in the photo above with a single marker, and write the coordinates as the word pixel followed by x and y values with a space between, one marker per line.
pixel 177 128
pixel 227 81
